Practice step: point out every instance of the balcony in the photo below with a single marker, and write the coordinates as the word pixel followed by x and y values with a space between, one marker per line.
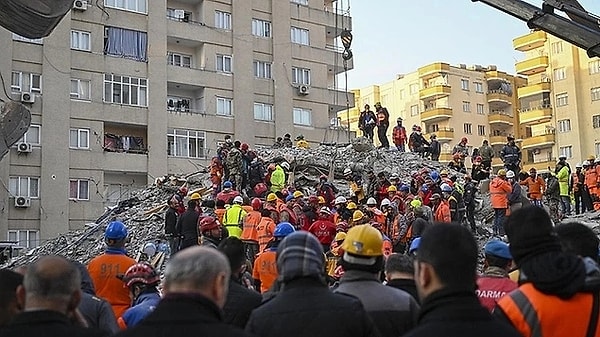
pixel 193 34
pixel 194 79
pixel 436 114
pixel 443 134
pixel 435 91
pixel 431 70
pixel 497 162
pixel 499 96
pixel 497 140
pixel 530 41
pixel 532 66
pixel 539 165
pixel 533 89
pixel 495 75
pixel 535 115
pixel 337 99
pixel 538 141
pixel 501 118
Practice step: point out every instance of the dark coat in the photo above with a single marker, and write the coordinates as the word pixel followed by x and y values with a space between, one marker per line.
pixel 187 225
pixel 184 315
pixel 451 313
pixel 46 323
pixel 98 313
pixel 170 221
pixel 240 303
pixel 306 307
pixel 407 285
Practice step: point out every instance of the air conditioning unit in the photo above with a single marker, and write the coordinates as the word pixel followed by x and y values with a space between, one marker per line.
pixel 80 5
pixel 179 14
pixel 27 97
pixel 22 202
pixel 303 90
pixel 24 147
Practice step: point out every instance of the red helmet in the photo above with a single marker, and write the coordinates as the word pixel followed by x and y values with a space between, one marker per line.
pixel 464 140
pixel 244 146
pixel 256 204
pixel 141 273
pixel 183 190
pixel 207 223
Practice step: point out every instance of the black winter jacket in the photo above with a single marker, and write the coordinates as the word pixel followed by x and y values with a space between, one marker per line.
pixel 240 303
pixel 170 221
pixel 187 225
pixel 46 323
pixel 407 285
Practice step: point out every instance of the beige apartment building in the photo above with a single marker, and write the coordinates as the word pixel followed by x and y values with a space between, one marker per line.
pixel 560 106
pixel 451 101
pixel 124 91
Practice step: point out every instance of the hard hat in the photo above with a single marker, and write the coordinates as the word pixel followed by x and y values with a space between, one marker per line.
pixel 141 273
pixel 340 200
pixel 351 205
pixel 414 245
pixel 271 167
pixel 591 157
pixel 532 169
pixel 497 248
pixel 510 174
pixel 385 202
pixel 298 194
pixel 371 201
pixel 578 165
pixel 502 172
pixel 115 230
pixel 478 159
pixel 285 165
pixel 271 197
pixel 434 175
pixel 357 215
pixel 444 173
pixel 392 188
pixel 363 240
pixel 238 200
pixel 446 188
pixel 340 236
pixel 399 119
pixel 227 184
pixel 404 188
pixel 283 229
pixel 347 171
pixel 378 104
pixel 289 197
pixel 424 188
pixel 509 137
pixel 435 196
pixel 322 200
pixel 256 204
pixel 207 223
pixel 195 196
pixel 244 146
pixel 325 210
pixel 149 249
pixel 415 203
pixel 323 176
pixel 183 190
pixel 464 140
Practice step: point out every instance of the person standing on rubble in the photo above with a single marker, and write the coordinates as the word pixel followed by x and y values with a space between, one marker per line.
pixel 500 188
pixel 578 179
pixel 383 123
pixel 461 149
pixel 469 199
pixel 171 225
pixel 222 152
pixel 562 174
pixel 278 177
pixel 399 135
pixel 325 189
pixel 511 155
pixel 435 149
pixel 536 187
pixel 417 142
pixel 287 141
pixel 187 226
pixel 233 219
pixel 487 153
pixel 514 197
pixel 234 164
pixel 366 122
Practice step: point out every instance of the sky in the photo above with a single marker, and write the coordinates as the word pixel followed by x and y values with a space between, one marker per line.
pixel 398 36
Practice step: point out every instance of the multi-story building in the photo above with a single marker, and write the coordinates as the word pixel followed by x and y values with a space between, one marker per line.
pixel 560 105
pixel 126 91
pixel 451 101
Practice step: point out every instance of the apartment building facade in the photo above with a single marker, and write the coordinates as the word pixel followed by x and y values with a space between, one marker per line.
pixel 451 101
pixel 124 91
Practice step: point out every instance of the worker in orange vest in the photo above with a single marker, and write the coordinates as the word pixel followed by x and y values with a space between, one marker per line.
pixel 441 209
pixel 535 187
pixel 264 229
pixel 591 180
pixel 500 188
pixel 265 272
pixel 250 230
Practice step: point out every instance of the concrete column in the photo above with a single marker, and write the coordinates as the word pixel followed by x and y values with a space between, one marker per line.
pixel 243 73
pixel 282 70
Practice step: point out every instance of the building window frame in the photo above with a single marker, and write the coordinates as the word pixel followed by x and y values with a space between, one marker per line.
pixel 478 87
pixel 596 121
pixel 562 99
pixel 25 82
pixel 28 241
pixel 263 69
pixel 564 125
pixel 557 47
pixel 136 6
pixel 222 20
pixel 118 87
pixel 224 63
pixel 17 37
pixel 464 84
pixel 16 185
pixel 126 43
pixel 302 116
pixel 79 138
pixel 481 130
pixel 224 106
pixel 594 67
pixel 300 36
pixel 480 109
pixel 300 2
pixel 79 189
pixel 300 75
pixel 81 40
pixel 595 94
pixel 560 74
pixel 466 106
pixel 179 60
pixel 414 110
pixel 262 28
pixel 263 112
pixel 27 137
pixel 81 89
pixel 468 128
pixel 566 151
pixel 184 143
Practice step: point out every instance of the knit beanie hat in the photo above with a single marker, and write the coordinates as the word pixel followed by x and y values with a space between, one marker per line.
pixel 299 255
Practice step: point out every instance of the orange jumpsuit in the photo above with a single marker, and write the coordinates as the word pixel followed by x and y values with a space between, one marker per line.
pixel 442 212
pixel 535 187
pixel 264 232
pixel 265 269
pixel 104 270
pixel 249 230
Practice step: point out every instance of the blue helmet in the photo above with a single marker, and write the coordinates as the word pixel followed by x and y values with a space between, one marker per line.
pixel 404 188
pixel 424 188
pixel 435 176
pixel 414 246
pixel 283 229
pixel 227 184
pixel 446 188
pixel 115 230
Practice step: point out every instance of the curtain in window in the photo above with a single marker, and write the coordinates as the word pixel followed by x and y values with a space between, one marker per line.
pixel 126 43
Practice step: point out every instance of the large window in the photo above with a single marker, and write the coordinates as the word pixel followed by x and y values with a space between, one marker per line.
pixel 478 87
pixel 481 130
pixel 80 89
pixel 180 60
pixel 33 135
pixel 262 69
pixel 468 128
pixel 557 47
pixel 126 43
pixel 24 187
pixel 480 109
pixel 224 106
pixel 79 138
pixel 302 116
pixel 125 90
pixel 24 238
pixel 186 143
pixel 80 40
pixel 139 6
pixel 566 151
pixel 79 189
pixel 25 82
pixel 300 76
pixel 300 36
pixel 222 20
pixel 261 28
pixel 224 63
pixel 263 112
pixel 562 99
pixel 464 84
pixel 564 125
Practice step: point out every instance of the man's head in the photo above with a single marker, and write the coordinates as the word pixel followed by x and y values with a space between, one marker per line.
pixel 363 249
pixel 115 234
pixel 399 266
pixel 578 239
pixel 233 248
pixel 300 255
pixel 435 199
pixel 485 142
pixel 497 254
pixel 9 306
pixel 399 121
pixel 199 270
pixel 210 227
pixel 447 258
pixel 510 140
pixel 51 283
pixel 367 107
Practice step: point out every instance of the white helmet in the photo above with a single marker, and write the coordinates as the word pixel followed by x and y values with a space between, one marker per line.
pixel 510 174
pixel 340 200
pixel 385 202
pixel 371 201
pixel 238 200
pixel 285 165
pixel 347 171
pixel 446 188
pixel 578 165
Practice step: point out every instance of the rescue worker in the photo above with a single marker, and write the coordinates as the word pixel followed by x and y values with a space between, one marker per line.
pixel 301 142
pixel 366 122
pixel 417 143
pixel 264 272
pixel 578 179
pixel 500 188
pixel 563 184
pixel 287 141
pixel 383 123
pixel 487 153
pixel 278 143
pixel 234 163
pixel 441 209
pixel 233 219
pixel 325 189
pixel 478 171
pixel 142 280
pixel 104 268
pixel 458 163
pixel 469 199
pixel 178 197
pixel 211 232
pixel 332 257
pixel 250 230
pixel 399 135
pixel 323 229
pixel 265 229
pixel 585 195
pixel 377 214
pixel 435 148
pixel 514 197
pixel 461 149
pixel 536 187
pixel 592 179
pixel 392 310
pixel 171 226
pixel 272 205
pixel 511 155
pixel 278 178
pixel 494 283
pixel 381 186
pixel 187 226
pixel 355 185
pixel 340 204
pixel 453 203
pixel 216 175
pixel 228 193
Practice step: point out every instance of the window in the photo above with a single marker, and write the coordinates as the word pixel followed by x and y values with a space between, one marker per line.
pixel 480 109
pixel 186 143
pixel 24 187
pixel 224 106
pixel 17 37
pixel 557 47
pixel 80 40
pixel 560 74
pixel 179 15
pixel 224 63
pixel 24 238
pixel 595 93
pixel 464 84
pixel 79 138
pixel 594 67
pixel 300 36
pixel 302 116
pixel 468 128
pixel 564 125
pixel 401 94
pixel 566 151
pixel 562 99
pixel 25 82
pixel 263 112
pixel 261 28
pixel 125 90
pixel 33 135
pixel 414 110
pixel 79 189
pixel 596 121
pixel 481 130
pixel 414 88
pixel 129 44
pixel 300 2
pixel 180 60
pixel 466 106
pixel 262 69
pixel 139 6
pixel 478 87
pixel 179 104
pixel 80 89
pixel 597 148
pixel 222 20
pixel 300 76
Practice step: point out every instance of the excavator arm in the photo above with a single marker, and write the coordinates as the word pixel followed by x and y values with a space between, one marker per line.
pixel 580 27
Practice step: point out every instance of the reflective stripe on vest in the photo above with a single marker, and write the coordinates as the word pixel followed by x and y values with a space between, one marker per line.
pixel 520 311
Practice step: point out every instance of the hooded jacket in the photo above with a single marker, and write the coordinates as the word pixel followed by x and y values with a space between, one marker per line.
pixel 499 191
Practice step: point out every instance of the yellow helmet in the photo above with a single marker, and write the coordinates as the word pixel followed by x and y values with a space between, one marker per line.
pixel 357 215
pixel 340 236
pixel 322 200
pixel 271 197
pixel 298 194
pixel 392 188
pixel 591 157
pixel 195 196
pixel 444 173
pixel 363 240
pixel 502 172
pixel 351 205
